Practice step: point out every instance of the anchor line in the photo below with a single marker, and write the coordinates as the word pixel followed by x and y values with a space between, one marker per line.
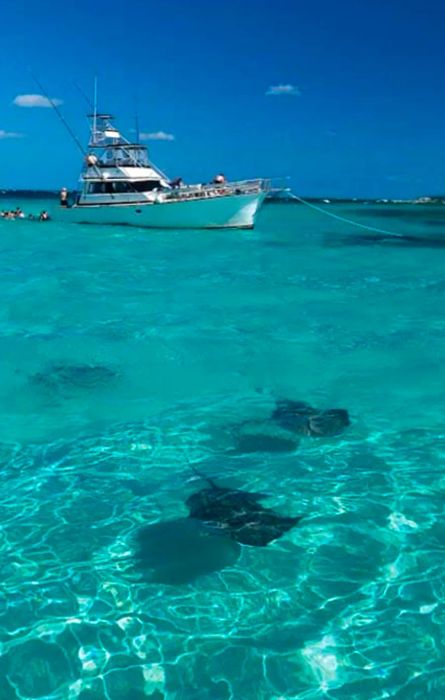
pixel 345 220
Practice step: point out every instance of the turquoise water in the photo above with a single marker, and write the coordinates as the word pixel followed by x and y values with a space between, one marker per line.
pixel 197 332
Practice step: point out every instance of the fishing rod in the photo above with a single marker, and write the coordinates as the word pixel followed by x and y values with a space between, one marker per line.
pixel 60 115
pixel 136 119
pixel 68 127
pixel 199 474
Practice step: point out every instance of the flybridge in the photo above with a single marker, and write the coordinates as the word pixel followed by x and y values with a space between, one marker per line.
pixel 103 132
pixel 119 155
pixel 110 149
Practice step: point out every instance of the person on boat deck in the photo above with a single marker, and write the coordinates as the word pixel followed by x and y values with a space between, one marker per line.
pixel 219 179
pixel 177 182
pixel 63 197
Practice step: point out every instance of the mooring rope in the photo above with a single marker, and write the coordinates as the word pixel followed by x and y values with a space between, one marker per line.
pixel 345 220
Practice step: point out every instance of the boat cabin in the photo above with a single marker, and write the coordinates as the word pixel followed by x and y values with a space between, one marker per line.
pixel 117 171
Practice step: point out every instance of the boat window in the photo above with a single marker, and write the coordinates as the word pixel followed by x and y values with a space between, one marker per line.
pixel 100 187
pixel 116 186
pixel 96 188
pixel 145 185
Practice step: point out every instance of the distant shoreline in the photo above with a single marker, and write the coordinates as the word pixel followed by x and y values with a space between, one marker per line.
pixel 432 199
pixel 29 194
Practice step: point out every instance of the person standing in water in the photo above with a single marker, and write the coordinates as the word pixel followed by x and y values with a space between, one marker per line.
pixel 63 197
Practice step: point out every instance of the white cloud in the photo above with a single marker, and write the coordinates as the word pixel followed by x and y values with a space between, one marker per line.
pixel 283 90
pixel 156 136
pixel 36 101
pixel 10 134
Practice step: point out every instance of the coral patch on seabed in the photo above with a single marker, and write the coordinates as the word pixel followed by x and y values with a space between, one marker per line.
pixel 60 376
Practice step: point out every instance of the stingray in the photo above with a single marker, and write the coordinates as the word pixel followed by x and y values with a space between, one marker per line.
pixel 300 417
pixel 60 376
pixel 238 514
pixel 179 551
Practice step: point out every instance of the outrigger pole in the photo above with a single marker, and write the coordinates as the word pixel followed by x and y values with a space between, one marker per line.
pixel 84 95
pixel 95 110
pixel 92 107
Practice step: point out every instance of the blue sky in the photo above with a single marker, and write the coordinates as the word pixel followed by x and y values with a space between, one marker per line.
pixel 366 117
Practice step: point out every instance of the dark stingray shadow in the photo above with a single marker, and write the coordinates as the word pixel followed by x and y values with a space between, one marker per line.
pixel 179 551
pixel 381 239
pixel 433 222
pixel 256 442
pixel 220 519
pixel 279 244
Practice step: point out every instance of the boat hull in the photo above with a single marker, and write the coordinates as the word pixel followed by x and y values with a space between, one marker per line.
pixel 234 211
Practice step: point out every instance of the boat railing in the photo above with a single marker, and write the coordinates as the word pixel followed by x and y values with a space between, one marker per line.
pixel 218 189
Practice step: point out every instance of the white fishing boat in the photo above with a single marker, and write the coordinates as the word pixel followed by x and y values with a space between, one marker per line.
pixel 120 185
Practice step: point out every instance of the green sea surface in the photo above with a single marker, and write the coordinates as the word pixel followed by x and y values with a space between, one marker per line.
pixel 191 334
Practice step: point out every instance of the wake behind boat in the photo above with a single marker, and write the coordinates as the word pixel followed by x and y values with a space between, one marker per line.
pixel 120 185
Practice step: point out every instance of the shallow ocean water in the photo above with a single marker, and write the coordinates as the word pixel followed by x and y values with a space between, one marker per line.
pixel 202 331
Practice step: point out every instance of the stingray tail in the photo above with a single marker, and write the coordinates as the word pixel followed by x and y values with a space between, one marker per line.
pixel 201 475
